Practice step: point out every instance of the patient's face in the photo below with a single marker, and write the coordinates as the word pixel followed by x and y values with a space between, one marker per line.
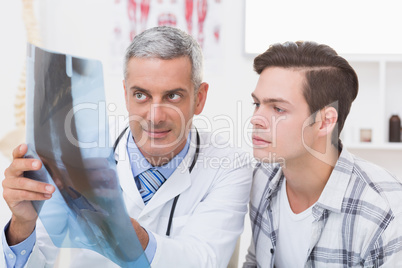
pixel 279 120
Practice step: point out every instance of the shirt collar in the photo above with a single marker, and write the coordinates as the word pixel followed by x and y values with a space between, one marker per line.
pixel 274 174
pixel 335 190
pixel 140 164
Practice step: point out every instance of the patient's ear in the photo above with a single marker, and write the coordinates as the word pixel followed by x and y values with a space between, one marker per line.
pixel 327 118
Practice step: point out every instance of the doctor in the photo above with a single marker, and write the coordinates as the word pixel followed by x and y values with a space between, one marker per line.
pixel 193 213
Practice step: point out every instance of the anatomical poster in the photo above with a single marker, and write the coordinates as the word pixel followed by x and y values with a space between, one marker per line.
pixel 200 18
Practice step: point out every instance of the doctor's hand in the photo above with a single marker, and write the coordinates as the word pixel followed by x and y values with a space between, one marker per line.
pixel 141 233
pixel 19 191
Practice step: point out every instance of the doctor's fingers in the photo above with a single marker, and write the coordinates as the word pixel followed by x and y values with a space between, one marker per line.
pixel 20 151
pixel 19 165
pixel 20 188
pixel 19 202
pixel 14 197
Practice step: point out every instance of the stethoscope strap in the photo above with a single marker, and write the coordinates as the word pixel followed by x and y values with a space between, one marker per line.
pixel 197 150
pixel 171 215
pixel 118 139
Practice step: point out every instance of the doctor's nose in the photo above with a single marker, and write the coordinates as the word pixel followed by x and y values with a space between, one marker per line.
pixel 156 114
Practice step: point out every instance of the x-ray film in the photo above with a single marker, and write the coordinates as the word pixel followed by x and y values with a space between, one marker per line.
pixel 67 130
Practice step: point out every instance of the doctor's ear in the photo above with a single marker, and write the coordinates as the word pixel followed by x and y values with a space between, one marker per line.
pixel 125 90
pixel 125 93
pixel 327 118
pixel 201 98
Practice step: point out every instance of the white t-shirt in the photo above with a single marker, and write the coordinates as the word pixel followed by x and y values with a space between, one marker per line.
pixel 294 234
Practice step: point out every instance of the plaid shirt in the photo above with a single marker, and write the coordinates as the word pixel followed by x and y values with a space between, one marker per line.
pixel 357 219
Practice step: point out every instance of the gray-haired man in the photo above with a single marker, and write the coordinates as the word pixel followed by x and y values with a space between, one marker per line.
pixel 163 91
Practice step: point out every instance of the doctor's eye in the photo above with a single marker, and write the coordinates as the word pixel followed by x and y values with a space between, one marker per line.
pixel 140 96
pixel 173 96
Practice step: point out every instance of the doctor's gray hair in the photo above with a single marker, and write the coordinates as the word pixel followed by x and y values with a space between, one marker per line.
pixel 167 43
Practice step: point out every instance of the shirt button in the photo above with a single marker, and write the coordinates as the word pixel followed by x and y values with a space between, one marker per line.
pixel 272 251
pixel 23 252
pixel 11 256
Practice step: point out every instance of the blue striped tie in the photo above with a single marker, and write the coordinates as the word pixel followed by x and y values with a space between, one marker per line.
pixel 150 181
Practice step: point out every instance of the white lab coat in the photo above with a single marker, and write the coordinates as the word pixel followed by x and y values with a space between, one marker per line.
pixel 208 218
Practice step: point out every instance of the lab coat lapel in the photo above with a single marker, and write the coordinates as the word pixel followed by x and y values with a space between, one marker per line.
pixel 177 183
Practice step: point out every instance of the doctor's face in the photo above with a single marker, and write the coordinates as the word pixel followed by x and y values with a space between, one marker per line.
pixel 161 102
pixel 281 129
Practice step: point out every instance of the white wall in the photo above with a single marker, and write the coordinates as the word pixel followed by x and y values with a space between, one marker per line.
pixel 12 49
pixel 12 55
pixel 231 79
pixel 334 28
